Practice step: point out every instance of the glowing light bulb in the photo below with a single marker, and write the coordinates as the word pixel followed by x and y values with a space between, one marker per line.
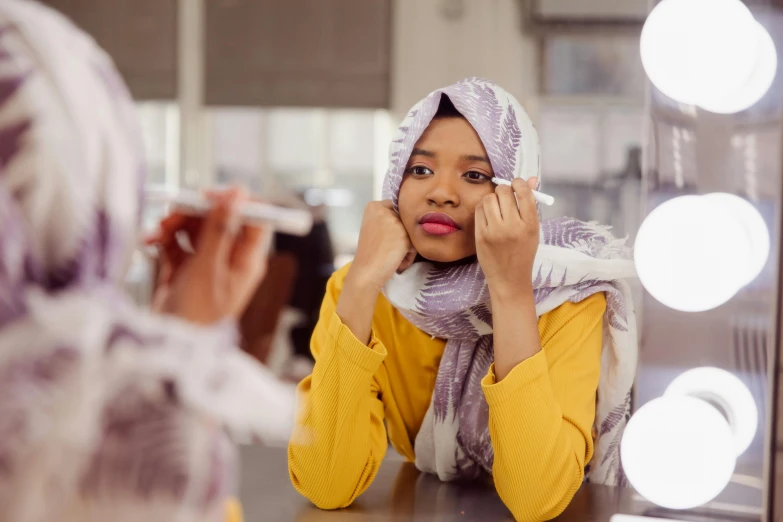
pixel 681 255
pixel 678 452
pixel 754 227
pixel 699 51
pixel 728 392
pixel 756 85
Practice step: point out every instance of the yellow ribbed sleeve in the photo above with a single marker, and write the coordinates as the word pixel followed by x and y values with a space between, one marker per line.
pixel 339 440
pixel 540 415
pixel 233 511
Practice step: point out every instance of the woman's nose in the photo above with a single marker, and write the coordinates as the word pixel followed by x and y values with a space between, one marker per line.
pixel 443 191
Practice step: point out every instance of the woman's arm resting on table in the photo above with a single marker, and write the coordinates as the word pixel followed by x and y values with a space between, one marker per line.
pixel 541 414
pixel 340 439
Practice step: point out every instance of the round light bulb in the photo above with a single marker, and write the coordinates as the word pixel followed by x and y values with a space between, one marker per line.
pixel 728 392
pixel 678 452
pixel 754 226
pixel 698 51
pixel 681 258
pixel 757 84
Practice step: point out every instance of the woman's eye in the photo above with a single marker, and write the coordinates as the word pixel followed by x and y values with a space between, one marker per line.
pixel 476 176
pixel 419 171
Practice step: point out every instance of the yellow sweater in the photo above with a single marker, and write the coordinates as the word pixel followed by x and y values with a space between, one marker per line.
pixel 540 415
pixel 233 510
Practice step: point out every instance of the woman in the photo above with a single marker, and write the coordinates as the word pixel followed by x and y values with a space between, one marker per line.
pixel 465 330
pixel 108 412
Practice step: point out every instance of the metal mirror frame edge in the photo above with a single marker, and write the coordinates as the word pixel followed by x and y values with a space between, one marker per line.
pixel 773 507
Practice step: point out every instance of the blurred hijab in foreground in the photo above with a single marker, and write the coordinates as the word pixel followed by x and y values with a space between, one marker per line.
pixel 107 412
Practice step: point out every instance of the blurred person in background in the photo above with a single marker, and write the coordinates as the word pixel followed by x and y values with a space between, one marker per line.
pixel 315 261
pixel 481 342
pixel 109 412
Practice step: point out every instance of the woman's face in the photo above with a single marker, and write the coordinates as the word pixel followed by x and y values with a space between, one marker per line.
pixel 447 175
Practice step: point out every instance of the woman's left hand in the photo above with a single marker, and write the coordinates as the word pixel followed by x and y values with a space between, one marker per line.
pixel 507 237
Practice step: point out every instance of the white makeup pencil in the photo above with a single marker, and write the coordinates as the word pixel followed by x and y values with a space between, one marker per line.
pixel 544 199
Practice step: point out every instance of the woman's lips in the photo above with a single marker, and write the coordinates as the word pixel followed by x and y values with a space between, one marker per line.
pixel 437 224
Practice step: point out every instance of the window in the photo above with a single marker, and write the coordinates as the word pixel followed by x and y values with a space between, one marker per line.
pixel 280 152
pixel 159 123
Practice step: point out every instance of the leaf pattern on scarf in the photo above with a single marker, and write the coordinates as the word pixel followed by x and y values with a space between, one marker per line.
pixel 407 135
pixel 145 451
pixel 589 238
pixel 616 308
pixel 452 289
pixel 11 134
pixel 5 54
pixel 443 395
pixel 97 254
pixel 120 333
pixel 17 265
pixel 617 415
pixel 483 313
pixel 28 379
pixel 476 99
pixel 613 451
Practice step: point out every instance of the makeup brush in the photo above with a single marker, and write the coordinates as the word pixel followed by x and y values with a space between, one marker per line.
pixel 544 199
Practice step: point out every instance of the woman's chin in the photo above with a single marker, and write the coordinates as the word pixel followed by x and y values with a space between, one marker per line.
pixel 440 252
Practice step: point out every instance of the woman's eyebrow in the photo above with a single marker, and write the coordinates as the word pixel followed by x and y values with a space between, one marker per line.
pixel 471 157
pixel 422 152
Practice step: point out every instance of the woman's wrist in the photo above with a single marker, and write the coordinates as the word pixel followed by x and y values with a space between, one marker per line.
pixel 515 325
pixel 365 279
pixel 511 294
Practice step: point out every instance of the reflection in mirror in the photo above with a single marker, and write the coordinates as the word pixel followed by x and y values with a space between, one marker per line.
pixel 613 149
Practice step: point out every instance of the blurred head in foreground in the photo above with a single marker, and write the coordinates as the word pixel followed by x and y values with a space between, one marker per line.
pixel 107 412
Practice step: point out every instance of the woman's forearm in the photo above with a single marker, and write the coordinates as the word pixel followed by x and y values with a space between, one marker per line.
pixel 356 304
pixel 515 326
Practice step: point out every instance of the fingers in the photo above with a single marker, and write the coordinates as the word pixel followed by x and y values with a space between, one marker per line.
pixel 408 260
pixel 165 271
pixel 481 222
pixel 220 227
pixel 492 210
pixel 507 203
pixel 388 204
pixel 527 204
pixel 532 183
pixel 167 228
pixel 251 247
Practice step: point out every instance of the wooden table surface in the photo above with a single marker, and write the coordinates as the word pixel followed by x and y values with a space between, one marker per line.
pixel 402 493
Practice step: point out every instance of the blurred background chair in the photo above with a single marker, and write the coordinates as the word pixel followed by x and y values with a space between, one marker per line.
pixel 258 324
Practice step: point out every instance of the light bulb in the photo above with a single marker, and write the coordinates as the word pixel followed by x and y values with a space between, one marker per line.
pixel 729 393
pixel 757 84
pixel 699 51
pixel 682 258
pixel 678 452
pixel 754 227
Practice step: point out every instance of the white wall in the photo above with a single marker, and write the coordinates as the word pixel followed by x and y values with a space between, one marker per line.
pixel 485 39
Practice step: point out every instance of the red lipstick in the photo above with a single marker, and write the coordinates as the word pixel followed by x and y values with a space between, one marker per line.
pixel 438 224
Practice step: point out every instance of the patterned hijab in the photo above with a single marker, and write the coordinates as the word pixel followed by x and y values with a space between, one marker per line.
pixel 574 261
pixel 107 412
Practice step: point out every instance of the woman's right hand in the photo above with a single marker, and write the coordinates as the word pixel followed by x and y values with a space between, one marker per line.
pixel 384 246
pixel 217 280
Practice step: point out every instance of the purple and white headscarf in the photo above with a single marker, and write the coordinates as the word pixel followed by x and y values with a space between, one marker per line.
pixel 574 261
pixel 107 412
